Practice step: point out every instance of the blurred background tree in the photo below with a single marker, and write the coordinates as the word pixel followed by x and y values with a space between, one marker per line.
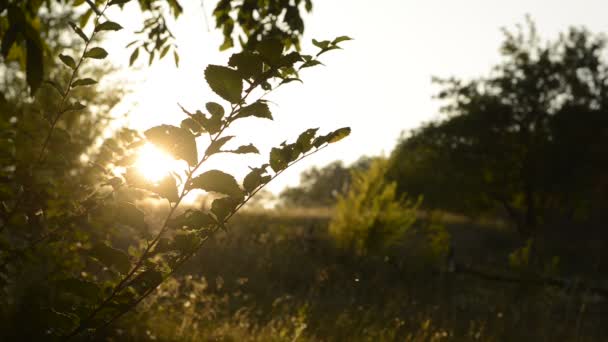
pixel 527 141
pixel 321 187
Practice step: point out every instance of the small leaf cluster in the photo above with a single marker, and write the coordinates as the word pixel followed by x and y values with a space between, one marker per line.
pixel 261 20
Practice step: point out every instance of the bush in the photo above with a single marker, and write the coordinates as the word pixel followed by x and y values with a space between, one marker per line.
pixel 371 217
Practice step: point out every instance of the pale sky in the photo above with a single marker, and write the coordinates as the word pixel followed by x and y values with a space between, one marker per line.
pixel 380 84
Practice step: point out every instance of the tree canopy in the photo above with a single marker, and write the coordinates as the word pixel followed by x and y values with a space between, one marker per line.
pixel 529 139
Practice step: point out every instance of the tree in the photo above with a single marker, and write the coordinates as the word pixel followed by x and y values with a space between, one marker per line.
pixel 321 187
pixel 77 252
pixel 530 138
pixel 249 21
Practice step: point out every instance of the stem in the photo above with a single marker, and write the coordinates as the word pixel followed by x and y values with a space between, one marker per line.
pixel 68 88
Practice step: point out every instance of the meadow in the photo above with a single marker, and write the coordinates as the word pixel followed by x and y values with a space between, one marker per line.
pixel 277 275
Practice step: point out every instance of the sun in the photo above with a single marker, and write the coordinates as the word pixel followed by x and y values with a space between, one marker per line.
pixel 154 164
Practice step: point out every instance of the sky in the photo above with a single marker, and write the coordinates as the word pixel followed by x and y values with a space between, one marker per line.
pixel 379 84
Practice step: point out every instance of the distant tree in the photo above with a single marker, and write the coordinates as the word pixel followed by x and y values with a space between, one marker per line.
pixel 531 138
pixel 322 186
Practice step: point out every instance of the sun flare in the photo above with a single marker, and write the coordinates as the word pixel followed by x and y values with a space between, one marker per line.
pixel 154 164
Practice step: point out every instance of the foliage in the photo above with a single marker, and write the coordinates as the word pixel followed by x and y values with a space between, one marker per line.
pixel 77 250
pixel 371 216
pixel 255 21
pixel 322 186
pixel 528 140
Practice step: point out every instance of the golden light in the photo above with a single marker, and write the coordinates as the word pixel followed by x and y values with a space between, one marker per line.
pixel 154 164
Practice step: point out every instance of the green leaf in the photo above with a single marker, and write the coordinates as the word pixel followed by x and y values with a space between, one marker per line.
pixel 338 134
pixel 68 60
pixel 164 52
pixel 81 288
pixel 216 181
pixel 74 106
pixel 94 7
pixel 96 53
pixel 243 149
pixel 321 44
pixel 255 178
pixel 79 31
pixel 108 26
pixel 111 257
pixel 10 36
pixel 34 64
pixel 192 219
pixel 215 109
pixel 176 59
pixel 225 82
pixel 167 188
pixel 258 109
pixel 340 39
pixel 191 125
pixel 83 82
pixel 211 125
pixel 222 207
pixel 310 63
pixel 177 141
pixel 247 64
pixel 84 19
pixel 278 159
pixel 118 2
pixel 271 50
pixel 304 141
pixel 134 56
pixel 217 144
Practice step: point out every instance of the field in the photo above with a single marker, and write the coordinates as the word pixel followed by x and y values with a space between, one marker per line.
pixel 278 276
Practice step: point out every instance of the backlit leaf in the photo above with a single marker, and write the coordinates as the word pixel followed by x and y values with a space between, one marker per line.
pixel 225 82
pixel 111 257
pixel 174 140
pixel 217 181
pixel 338 134
pixel 133 56
pixel 247 64
pixel 217 144
pixel 83 82
pixel 79 31
pixel 68 60
pixel 108 26
pixel 258 109
pixel 192 219
pixel 222 207
pixel 245 149
pixel 215 109
pixel 96 53
pixel 34 64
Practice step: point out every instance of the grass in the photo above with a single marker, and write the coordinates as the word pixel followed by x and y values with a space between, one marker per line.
pixel 278 276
